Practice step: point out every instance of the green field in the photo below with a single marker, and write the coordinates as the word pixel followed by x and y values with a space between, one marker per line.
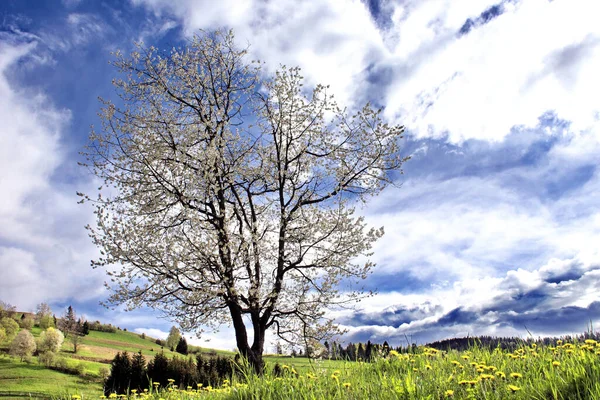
pixel 569 371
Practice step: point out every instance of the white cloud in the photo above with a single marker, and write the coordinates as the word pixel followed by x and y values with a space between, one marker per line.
pixel 44 254
pixel 538 56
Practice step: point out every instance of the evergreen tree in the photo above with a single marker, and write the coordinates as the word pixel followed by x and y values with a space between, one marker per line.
pixel 85 328
pixel 182 346
pixel 120 374
pixel 158 369
pixel 139 378
pixel 369 351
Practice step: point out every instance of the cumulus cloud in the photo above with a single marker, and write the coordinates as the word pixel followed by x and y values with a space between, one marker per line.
pixel 42 248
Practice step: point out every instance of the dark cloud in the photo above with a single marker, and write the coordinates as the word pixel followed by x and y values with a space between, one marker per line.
pixel 393 316
pixel 483 18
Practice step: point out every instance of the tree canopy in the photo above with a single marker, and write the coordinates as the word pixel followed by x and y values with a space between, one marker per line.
pixel 228 196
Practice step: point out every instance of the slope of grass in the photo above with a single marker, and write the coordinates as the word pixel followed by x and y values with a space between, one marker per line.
pixel 17 376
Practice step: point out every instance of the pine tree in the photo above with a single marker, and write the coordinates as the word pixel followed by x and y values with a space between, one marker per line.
pixel 139 378
pixel 182 346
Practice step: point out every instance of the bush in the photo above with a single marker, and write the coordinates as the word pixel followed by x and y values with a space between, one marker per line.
pixel 26 323
pixel 47 358
pixel 80 369
pixel 23 345
pixel 104 373
pixel 50 340
pixel 10 328
pixel 61 364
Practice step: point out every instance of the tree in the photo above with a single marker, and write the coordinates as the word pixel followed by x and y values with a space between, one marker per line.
pixel 7 310
pixel 173 338
pixel 85 328
pixel 23 344
pixel 2 334
pixel 50 340
pixel 182 346
pixel 43 312
pixel 26 322
pixel 232 196
pixel 71 328
pixel 10 327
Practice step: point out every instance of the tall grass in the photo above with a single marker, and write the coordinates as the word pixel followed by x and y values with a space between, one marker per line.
pixel 569 371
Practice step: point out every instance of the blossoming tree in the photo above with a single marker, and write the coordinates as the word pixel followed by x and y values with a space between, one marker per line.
pixel 229 197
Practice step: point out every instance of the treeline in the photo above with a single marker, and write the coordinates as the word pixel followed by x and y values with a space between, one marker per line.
pixel 131 372
pixel 507 343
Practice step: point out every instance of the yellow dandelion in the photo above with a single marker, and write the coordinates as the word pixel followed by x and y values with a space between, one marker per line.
pixel 427 367
pixel 516 375
pixel 590 341
pixel 347 385
pixel 500 374
pixel 465 357
pixel 394 353
pixel 454 362
pixel 112 396
pixel 449 393
pixel 513 388
pixel 556 363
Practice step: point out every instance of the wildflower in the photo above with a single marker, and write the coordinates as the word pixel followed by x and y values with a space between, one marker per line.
pixel 347 385
pixel 199 385
pixel 465 357
pixel 463 382
pixel 394 353
pixel 590 341
pixel 513 388
pixel 428 367
pixel 555 363
pixel 500 374
pixel 449 393
pixel 156 384
pixel 76 397
pixel 336 372
pixel 533 345
pixel 112 396
pixel 335 377
pixel 171 380
pixel 559 342
pixel 516 375
pixel 134 391
pixel 454 362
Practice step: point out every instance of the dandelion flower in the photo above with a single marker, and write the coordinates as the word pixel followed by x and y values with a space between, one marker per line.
pixel 449 393
pixel 556 363
pixel 513 388
pixel 347 385
pixel 516 375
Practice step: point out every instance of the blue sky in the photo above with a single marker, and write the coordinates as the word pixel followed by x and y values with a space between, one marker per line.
pixel 496 226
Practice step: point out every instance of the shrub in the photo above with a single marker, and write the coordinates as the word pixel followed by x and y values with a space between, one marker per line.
pixel 23 345
pixel 26 323
pixel 47 358
pixel 10 327
pixel 50 340
pixel 80 369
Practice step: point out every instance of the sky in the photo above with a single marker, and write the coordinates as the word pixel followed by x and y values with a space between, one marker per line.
pixel 494 228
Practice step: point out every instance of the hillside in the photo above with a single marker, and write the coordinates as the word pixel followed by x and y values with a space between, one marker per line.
pixel 95 353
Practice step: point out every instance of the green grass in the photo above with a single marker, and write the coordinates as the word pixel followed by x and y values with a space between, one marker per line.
pixel 569 372
pixel 17 376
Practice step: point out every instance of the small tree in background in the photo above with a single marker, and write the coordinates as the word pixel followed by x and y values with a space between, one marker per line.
pixel 43 316
pixel 50 340
pixel 182 346
pixel 7 310
pixel 23 344
pixel 71 328
pixel 10 327
pixel 173 338
pixel 26 322
pixel 85 328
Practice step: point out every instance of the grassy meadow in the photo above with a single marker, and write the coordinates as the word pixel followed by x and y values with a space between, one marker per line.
pixel 568 371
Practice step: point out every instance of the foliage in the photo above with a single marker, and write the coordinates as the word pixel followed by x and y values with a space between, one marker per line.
pixel 97 326
pixel 2 334
pixel 10 327
pixel 26 322
pixel 47 358
pixel 71 328
pixel 50 340
pixel 131 372
pixel 173 338
pixel 23 345
pixel 182 346
pixel 7 310
pixel 232 195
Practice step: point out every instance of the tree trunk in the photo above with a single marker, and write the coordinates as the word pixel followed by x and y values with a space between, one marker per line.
pixel 253 354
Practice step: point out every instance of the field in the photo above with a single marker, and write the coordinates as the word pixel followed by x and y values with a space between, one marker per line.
pixel 568 371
